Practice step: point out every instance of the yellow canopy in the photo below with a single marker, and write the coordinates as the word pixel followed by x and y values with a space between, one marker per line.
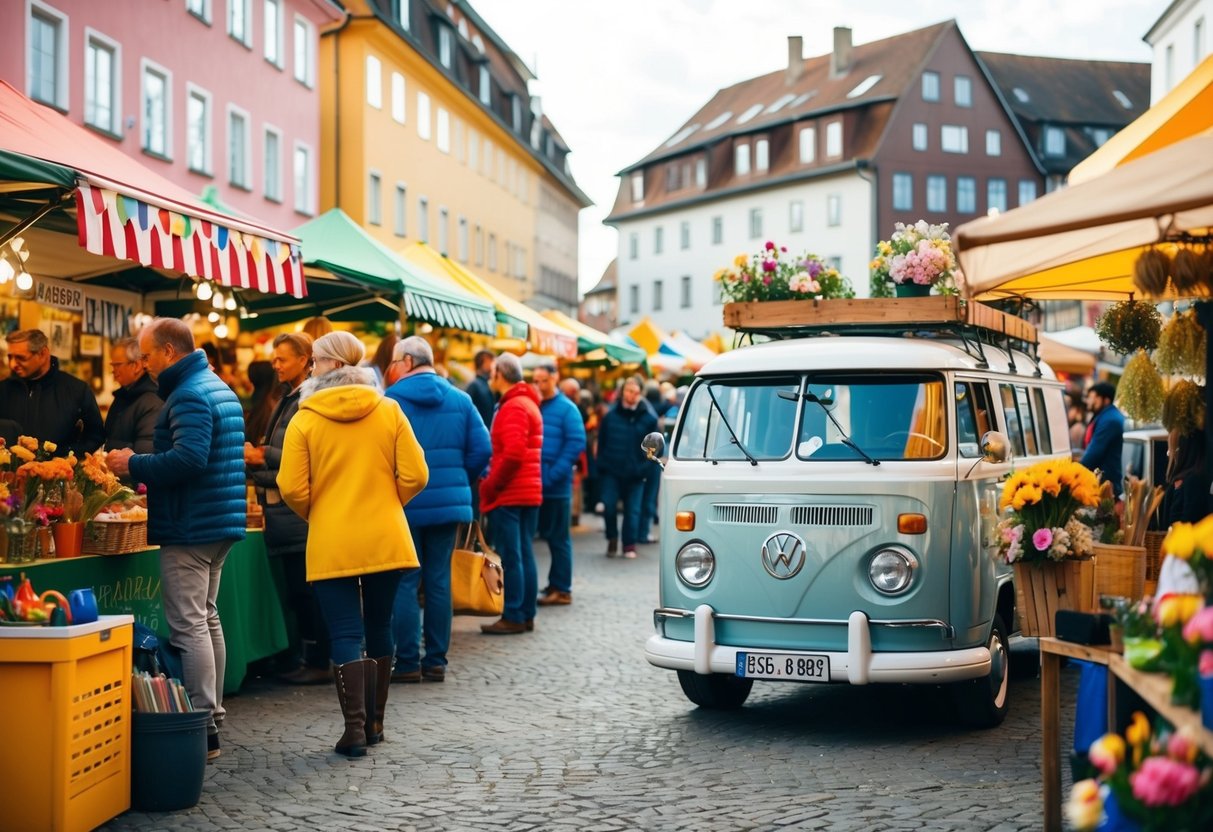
pixel 1065 359
pixel 1185 111
pixel 648 336
pixel 545 336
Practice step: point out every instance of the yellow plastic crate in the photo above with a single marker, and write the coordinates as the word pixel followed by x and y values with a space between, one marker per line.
pixel 66 704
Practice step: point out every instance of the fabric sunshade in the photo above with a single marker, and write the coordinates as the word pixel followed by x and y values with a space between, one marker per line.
pixel 590 340
pixel 1065 359
pixel 128 212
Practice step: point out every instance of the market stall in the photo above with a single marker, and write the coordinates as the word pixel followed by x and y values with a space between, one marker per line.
pixel 594 346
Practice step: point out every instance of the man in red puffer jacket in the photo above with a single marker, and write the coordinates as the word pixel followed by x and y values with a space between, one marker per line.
pixel 512 493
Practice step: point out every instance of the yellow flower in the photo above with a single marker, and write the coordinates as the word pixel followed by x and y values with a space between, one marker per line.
pixel 740 260
pixel 1175 609
pixel 1028 495
pixel 1050 484
pixel 3 491
pixel 1137 735
pixel 1204 536
pixel 1180 541
pixel 1084 809
pixel 23 453
pixel 28 442
pixel 49 447
pixel 5 456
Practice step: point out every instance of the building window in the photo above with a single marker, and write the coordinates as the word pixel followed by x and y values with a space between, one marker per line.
pixel 399 10
pixel 198 130
pixel 658 239
pixel 638 187
pixel 993 143
pixel 48 66
pixel 443 138
pixel 402 203
pixel 717 230
pixel 374 82
pixel 919 139
pixel 463 239
pixel 305 52
pixel 755 223
pixel 937 193
pixel 966 194
pixel 156 110
pixel 423 116
pixel 486 85
pixel 795 216
pixel 701 173
pixel 473 149
pixel 762 155
pixel 239 20
pixel 634 246
pixel 741 159
pixel 273 32
pixel 833 139
pixel 954 138
pixel 423 220
pixel 478 243
pixel 273 164
pixel 1055 141
pixel 1198 41
pixel 304 192
pixel 200 9
pixel 834 210
pixel 684 235
pixel 516 112
pixel 398 114
pixel 446 46
pixel 684 293
pixel 930 86
pixel 903 192
pixel 1027 191
pixel 996 195
pixel 374 199
pixel 492 252
pixel 1169 66
pixel 808 144
pixel 101 83
pixel 658 291
pixel 239 163
pixel 962 91
pixel 1100 135
pixel 634 299
pixel 486 166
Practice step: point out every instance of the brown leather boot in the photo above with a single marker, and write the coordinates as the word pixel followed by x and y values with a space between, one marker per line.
pixel 378 680
pixel 351 693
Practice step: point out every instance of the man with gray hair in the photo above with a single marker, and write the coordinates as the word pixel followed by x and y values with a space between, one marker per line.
pixel 195 502
pixel 42 401
pixel 132 416
pixel 456 445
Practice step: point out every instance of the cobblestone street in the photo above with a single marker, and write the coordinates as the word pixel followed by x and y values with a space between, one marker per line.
pixel 570 728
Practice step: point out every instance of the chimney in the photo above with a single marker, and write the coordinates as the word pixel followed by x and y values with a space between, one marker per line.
pixel 840 58
pixel 795 59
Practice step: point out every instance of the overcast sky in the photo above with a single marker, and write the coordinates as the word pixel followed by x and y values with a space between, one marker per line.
pixel 618 78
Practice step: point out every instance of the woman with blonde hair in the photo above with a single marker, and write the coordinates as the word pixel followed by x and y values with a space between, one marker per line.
pixel 350 463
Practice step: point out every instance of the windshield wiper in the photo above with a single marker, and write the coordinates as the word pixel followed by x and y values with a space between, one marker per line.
pixel 725 421
pixel 846 440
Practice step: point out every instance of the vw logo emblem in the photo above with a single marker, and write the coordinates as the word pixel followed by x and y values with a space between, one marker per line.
pixel 783 555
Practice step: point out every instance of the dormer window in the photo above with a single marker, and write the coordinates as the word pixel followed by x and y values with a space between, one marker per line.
pixel 864 85
pixel 1055 141
pixel 638 187
pixel 486 85
pixel 516 112
pixel 762 155
pixel 741 159
pixel 446 45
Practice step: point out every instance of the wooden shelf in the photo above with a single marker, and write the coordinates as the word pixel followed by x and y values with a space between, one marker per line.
pixel 1155 688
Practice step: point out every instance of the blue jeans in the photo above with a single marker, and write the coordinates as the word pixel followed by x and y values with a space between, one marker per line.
pixel 554 528
pixel 513 530
pixel 631 490
pixel 434 545
pixel 358 606
pixel 648 504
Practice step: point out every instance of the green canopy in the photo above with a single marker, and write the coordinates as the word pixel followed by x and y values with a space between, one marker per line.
pixel 17 167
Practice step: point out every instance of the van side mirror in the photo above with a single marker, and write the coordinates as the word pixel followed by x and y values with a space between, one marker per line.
pixel 995 447
pixel 653 446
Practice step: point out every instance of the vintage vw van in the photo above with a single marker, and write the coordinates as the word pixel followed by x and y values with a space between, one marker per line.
pixel 828 510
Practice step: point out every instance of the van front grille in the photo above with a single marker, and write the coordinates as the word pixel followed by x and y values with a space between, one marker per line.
pixel 744 513
pixel 832 515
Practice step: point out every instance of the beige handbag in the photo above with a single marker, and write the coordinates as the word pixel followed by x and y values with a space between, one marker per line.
pixel 477 581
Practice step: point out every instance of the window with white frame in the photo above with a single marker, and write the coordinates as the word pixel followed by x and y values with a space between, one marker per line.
pixel 303 179
pixel 478 244
pixel 516 112
pixel 374 198
pixel 966 194
pixel 755 223
pixel 762 155
pixel 1168 66
pixel 102 83
pixel 423 116
pixel 633 246
pixel 954 138
pixel 273 164
pixel 492 252
pixel 930 86
pixel 996 195
pixel 486 162
pixel 198 129
pixel 808 144
pixel 485 86
pixel 423 220
pixel 1055 141
pixel 634 299
pixel 1027 191
pixel 684 235
pixel 240 21
pixel 401 212
pixel 374 82
pixel 1198 40
pixel 937 193
pixel 717 230
pixel 834 209
pixel 398 98
pixel 458 141
pixel 919 139
pixel 903 192
pixel 684 294
pixel 446 45
pixel 48 60
pixel 701 173
pixel 473 149
pixel 239 161
pixel 658 239
pixel 658 292
pixel 443 137
pixel 795 216
pixel 272 23
pixel 833 139
pixel 156 108
pixel 993 143
pixel 463 239
pixel 638 186
pixel 399 10
pixel 200 9
pixel 741 159
pixel 962 91
pixel 305 52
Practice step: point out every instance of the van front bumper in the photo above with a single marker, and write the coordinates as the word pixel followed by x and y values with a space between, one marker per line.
pixel 857 666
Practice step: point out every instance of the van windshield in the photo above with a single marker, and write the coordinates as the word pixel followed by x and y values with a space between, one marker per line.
pixel 891 416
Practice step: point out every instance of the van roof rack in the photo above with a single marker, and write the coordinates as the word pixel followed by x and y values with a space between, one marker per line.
pixel 974 324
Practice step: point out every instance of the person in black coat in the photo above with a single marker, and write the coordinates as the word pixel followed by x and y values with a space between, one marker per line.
pixel 478 388
pixel 623 478
pixel 1187 496
pixel 132 416
pixel 46 402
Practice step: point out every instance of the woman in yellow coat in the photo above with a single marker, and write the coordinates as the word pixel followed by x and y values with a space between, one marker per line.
pixel 350 463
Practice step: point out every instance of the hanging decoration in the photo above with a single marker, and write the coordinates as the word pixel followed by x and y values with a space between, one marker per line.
pixel 1129 325
pixel 1140 393
pixel 1184 408
pixel 1181 345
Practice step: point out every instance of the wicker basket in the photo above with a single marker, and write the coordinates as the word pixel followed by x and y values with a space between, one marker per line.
pixel 1154 554
pixel 1120 571
pixel 117 537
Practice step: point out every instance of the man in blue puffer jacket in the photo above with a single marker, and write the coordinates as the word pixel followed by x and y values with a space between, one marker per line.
pixel 196 502
pixel 457 450
pixel 563 442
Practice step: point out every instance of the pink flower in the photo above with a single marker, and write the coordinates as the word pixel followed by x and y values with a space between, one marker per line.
pixel 1199 629
pixel 784 249
pixel 770 246
pixel 769 265
pixel 1206 663
pixel 1042 539
pixel 766 280
pixel 1164 782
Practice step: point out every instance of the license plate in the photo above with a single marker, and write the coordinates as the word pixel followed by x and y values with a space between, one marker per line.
pixel 799 667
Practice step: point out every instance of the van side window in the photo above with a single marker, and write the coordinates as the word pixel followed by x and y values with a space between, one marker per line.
pixel 973 418
pixel 1010 414
pixel 1027 419
pixel 1042 420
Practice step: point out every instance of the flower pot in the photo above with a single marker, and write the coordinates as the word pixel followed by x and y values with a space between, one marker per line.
pixel 911 290
pixel 1044 587
pixel 44 543
pixel 69 539
pixel 23 546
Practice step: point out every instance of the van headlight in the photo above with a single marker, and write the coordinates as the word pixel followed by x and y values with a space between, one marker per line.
pixel 695 564
pixel 892 569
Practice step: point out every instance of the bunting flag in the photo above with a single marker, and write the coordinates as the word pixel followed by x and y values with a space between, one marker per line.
pixel 115 225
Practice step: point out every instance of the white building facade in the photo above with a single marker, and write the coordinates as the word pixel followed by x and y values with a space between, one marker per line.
pixel 1180 40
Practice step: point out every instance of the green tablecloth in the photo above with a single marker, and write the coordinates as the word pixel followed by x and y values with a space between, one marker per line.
pixel 253 626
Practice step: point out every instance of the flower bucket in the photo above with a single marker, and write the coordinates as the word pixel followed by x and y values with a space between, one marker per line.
pixel 1044 587
pixel 23 546
pixel 69 539
pixel 1120 571
pixel 911 290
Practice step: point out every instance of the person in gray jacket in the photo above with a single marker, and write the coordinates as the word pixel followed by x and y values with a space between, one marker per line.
pixel 132 416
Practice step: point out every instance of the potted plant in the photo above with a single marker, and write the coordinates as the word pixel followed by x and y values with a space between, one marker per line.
pixel 771 274
pixel 914 260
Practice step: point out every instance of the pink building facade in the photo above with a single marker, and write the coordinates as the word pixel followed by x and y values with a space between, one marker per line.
pixel 215 94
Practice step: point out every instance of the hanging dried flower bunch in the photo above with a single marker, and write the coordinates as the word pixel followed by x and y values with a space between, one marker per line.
pixel 1181 345
pixel 1129 325
pixel 1150 273
pixel 1140 393
pixel 1184 408
pixel 1187 271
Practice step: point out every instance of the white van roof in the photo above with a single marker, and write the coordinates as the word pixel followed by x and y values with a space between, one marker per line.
pixel 862 352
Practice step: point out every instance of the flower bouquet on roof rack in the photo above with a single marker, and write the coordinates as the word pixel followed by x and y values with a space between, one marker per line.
pixel 1044 538
pixel 773 274
pixel 915 260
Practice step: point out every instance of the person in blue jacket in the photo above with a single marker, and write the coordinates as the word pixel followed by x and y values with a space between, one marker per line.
pixel 1105 437
pixel 563 442
pixel 456 444
pixel 195 502
pixel 623 466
